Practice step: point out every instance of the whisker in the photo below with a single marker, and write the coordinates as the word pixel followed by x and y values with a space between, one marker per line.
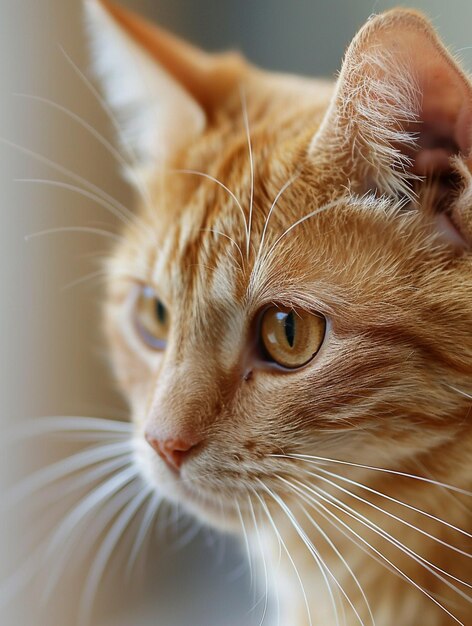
pixel 217 182
pixel 312 503
pixel 391 515
pixel 321 493
pixel 45 425
pixel 287 552
pixel 303 219
pixel 103 555
pixel 75 229
pixel 315 554
pixel 335 549
pixel 218 232
pixel 277 566
pixel 90 129
pixel 62 534
pixel 118 209
pixel 392 499
pixel 339 586
pixel 60 469
pixel 147 522
pixel 460 392
pixel 85 279
pixel 310 459
pixel 106 201
pixel 246 542
pixel 83 539
pixel 132 154
pixel 418 558
pixel 85 478
pixel 319 505
pixel 264 563
pixel 266 222
pixel 251 165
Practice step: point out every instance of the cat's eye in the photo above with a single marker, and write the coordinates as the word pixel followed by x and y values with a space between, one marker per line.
pixel 291 337
pixel 151 318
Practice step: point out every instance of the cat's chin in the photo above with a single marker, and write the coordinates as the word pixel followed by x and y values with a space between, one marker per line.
pixel 179 490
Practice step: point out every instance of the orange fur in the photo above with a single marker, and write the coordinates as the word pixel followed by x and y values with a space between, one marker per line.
pixel 391 385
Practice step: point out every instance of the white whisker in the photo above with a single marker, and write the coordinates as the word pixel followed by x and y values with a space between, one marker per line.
pixel 327 497
pixel 266 222
pixel 103 200
pixel 251 165
pixel 82 539
pixel 311 459
pixel 118 209
pixel 75 229
pixel 103 554
pixel 217 182
pixel 460 392
pixel 89 477
pixel 391 515
pixel 133 157
pixel 83 509
pixel 218 232
pixel 246 543
pixel 146 524
pixel 46 425
pixel 286 550
pixel 414 555
pixel 319 506
pixel 339 586
pixel 85 279
pixel 303 219
pixel 337 552
pixel 60 469
pixel 311 548
pixel 264 562
pixel 88 127
pixel 391 499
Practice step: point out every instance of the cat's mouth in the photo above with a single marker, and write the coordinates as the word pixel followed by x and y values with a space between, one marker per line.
pixel 203 502
pixel 188 490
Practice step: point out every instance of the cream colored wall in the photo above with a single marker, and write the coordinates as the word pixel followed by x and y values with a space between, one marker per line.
pixel 51 351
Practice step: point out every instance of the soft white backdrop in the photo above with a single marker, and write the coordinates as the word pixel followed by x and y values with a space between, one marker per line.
pixel 51 350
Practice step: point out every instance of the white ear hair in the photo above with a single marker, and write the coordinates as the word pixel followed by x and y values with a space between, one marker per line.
pixel 156 114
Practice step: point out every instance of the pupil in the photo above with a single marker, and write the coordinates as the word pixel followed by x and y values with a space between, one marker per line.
pixel 160 312
pixel 289 326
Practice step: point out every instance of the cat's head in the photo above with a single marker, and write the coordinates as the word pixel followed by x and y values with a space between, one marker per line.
pixel 294 280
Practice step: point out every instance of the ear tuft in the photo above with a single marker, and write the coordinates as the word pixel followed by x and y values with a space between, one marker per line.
pixel 403 106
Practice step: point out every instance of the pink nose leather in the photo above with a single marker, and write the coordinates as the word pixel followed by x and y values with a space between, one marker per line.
pixel 172 451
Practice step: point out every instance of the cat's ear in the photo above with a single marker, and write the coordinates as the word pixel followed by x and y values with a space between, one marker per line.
pixel 402 107
pixel 160 88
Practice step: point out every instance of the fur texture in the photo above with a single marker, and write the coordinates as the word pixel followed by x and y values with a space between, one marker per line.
pixel 350 200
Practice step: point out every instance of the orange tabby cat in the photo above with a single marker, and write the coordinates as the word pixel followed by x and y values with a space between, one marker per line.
pixel 290 310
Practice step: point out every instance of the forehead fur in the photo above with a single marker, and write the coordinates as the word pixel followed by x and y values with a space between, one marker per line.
pixel 248 203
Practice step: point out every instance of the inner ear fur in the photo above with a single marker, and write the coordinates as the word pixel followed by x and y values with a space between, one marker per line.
pixel 163 90
pixel 402 107
pixel 208 78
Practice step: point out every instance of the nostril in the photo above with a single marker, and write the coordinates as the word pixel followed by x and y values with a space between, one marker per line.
pixel 172 451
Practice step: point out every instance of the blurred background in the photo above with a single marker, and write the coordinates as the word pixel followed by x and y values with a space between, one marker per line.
pixel 53 357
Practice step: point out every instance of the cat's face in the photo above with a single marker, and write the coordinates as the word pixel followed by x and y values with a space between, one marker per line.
pixel 262 304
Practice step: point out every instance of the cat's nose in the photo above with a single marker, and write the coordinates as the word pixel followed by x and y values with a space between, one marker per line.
pixel 172 451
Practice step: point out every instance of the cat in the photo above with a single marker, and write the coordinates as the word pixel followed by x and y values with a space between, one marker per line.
pixel 289 310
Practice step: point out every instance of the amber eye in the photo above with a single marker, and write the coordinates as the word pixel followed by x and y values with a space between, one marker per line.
pixel 151 318
pixel 291 337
